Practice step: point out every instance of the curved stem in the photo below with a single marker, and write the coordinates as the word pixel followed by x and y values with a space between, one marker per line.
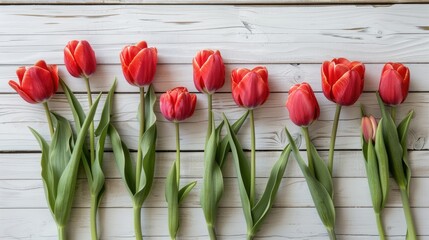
pixel 331 233
pixel 91 127
pixel 141 132
pixel 209 115
pixel 411 231
pixel 252 159
pixel 62 235
pixel 212 232
pixel 308 144
pixel 93 217
pixel 380 226
pixel 137 222
pixel 49 117
pixel 333 137
pixel 393 112
pixel 177 153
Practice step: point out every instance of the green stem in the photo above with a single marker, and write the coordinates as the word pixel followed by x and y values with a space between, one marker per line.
pixel 141 132
pixel 210 115
pixel 93 217
pixel 250 235
pixel 49 117
pixel 308 144
pixel 212 232
pixel 331 233
pixel 91 127
pixel 411 231
pixel 177 154
pixel 393 112
pixel 333 137
pixel 62 235
pixel 137 222
pixel 380 226
pixel 252 159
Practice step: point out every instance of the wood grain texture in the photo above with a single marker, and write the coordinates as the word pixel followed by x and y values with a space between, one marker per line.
pixel 244 34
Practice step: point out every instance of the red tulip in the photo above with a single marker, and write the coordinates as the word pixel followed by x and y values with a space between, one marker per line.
pixel 394 83
pixel 79 58
pixel 342 80
pixel 250 87
pixel 302 104
pixel 139 64
pixel 37 83
pixel 177 104
pixel 209 71
pixel 369 128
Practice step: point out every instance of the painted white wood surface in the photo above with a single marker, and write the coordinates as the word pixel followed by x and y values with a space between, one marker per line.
pixel 291 41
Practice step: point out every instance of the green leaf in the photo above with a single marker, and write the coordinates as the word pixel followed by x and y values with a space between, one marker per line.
pixel 374 178
pixel 321 171
pixel 393 146
pixel 242 169
pixel 321 197
pixel 212 189
pixel 183 193
pixel 262 208
pixel 67 182
pixel 403 134
pixel 223 147
pixel 172 197
pixel 383 163
pixel 123 160
pixel 47 173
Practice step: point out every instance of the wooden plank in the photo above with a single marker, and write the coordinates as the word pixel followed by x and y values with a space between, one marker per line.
pixel 244 34
pixel 116 223
pixel 281 77
pixel 348 164
pixel 270 121
pixel 349 193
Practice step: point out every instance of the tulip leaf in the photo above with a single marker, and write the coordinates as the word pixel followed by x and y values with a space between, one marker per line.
pixel 242 169
pixel 47 173
pixel 383 162
pixel 263 206
pixel 321 197
pixel 321 171
pixel 393 146
pixel 403 128
pixel 184 191
pixel 67 182
pixel 172 197
pixel 373 178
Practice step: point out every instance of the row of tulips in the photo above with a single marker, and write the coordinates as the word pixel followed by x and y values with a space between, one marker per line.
pixel 383 144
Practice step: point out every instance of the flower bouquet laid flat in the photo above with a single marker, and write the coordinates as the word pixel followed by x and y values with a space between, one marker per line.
pixel 384 141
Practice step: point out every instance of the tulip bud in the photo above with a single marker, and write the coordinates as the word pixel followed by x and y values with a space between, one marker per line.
pixel 250 87
pixel 302 104
pixel 342 80
pixel 139 64
pixel 79 58
pixel 369 128
pixel 394 83
pixel 177 104
pixel 37 83
pixel 209 71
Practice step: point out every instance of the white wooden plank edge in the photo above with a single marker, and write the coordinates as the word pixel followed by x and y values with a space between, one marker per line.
pixel 271 120
pixel 281 77
pixel 116 223
pixel 293 192
pixel 244 34
pixel 348 164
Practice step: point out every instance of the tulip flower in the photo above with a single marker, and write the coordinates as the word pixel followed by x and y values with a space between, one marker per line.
pixel 79 58
pixel 342 80
pixel 176 105
pixel 37 84
pixel 302 104
pixel 342 83
pixel 369 128
pixel 250 87
pixel 394 83
pixel 139 63
pixel 209 71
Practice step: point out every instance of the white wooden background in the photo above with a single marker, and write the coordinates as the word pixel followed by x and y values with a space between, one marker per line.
pixel 291 40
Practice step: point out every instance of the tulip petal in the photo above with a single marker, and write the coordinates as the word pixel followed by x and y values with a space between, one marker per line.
pixel 142 68
pixel 53 69
pixel 18 89
pixel 167 106
pixel 142 44
pixel 20 73
pixel 85 58
pixel 38 84
pixel 71 64
pixel 390 88
pixel 213 73
pixel 348 88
